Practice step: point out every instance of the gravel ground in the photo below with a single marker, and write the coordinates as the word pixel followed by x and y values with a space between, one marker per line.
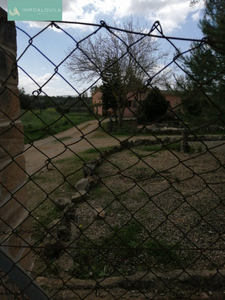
pixel 178 198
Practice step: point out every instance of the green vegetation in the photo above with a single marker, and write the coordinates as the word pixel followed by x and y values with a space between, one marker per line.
pixel 156 148
pixel 202 87
pixel 129 126
pixel 154 106
pixel 124 251
pixel 38 125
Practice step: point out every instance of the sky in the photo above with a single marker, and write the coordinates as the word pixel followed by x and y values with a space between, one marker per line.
pixel 177 18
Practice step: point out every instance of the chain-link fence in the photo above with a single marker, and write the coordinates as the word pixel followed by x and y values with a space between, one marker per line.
pixel 119 207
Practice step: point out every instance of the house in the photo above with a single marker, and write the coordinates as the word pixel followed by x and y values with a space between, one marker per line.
pixel 133 100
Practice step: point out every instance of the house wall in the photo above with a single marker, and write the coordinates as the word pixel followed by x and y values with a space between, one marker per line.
pixel 96 100
pixel 173 99
pixel 132 109
pixel 15 224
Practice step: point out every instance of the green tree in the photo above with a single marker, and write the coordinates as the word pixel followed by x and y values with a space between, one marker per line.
pixel 154 106
pixel 203 86
pixel 110 84
pixel 213 26
pixel 25 99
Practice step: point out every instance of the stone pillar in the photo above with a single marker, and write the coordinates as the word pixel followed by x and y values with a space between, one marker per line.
pixel 15 227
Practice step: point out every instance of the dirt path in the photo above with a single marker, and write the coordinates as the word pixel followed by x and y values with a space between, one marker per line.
pixel 65 144
pixel 75 140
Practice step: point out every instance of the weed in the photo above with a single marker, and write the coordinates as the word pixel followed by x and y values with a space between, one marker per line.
pixel 123 251
pixel 165 253
pixel 173 147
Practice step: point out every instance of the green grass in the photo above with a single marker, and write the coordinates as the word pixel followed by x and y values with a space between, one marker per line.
pixel 128 127
pixel 97 151
pixel 62 139
pixel 38 125
pixel 157 148
pixel 124 251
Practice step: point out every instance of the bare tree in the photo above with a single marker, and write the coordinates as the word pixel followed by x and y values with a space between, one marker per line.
pixel 135 55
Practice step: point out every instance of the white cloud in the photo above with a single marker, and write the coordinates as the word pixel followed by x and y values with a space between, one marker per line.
pixel 171 13
pixel 51 88
pixel 3 4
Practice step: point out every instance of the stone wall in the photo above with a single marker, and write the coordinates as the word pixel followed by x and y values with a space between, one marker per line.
pixel 14 218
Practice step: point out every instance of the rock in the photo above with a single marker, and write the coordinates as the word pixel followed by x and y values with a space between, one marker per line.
pixel 173 140
pixel 66 262
pixel 166 140
pixel 139 128
pixel 83 185
pixel 57 236
pixel 99 213
pixel 69 212
pixel 79 196
pixel 63 233
pixel 138 142
pixel 62 203
pixel 93 180
pixel 88 169
pixel 213 138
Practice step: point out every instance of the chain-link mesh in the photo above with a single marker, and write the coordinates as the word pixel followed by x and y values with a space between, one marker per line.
pixel 120 212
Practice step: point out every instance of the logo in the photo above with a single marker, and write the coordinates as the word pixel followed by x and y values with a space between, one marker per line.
pixel 35 10
pixel 15 12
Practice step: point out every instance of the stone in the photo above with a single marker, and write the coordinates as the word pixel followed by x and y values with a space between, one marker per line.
pixel 166 140
pixel 213 138
pixel 8 68
pixel 88 169
pixel 66 262
pixel 12 174
pixel 99 213
pixel 69 212
pixel 11 139
pixel 62 203
pixel 151 127
pixel 79 196
pixel 54 242
pixel 138 142
pixel 9 104
pixel 94 180
pixel 83 185
pixel 174 140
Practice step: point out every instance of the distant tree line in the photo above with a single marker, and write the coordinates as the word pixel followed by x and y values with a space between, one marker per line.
pixel 60 103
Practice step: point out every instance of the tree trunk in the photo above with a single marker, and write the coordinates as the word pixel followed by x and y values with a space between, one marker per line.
pixel 121 113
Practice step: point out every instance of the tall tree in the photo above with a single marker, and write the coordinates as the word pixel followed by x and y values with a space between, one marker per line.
pixel 134 56
pixel 110 84
pixel 155 105
pixel 213 25
pixel 204 84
